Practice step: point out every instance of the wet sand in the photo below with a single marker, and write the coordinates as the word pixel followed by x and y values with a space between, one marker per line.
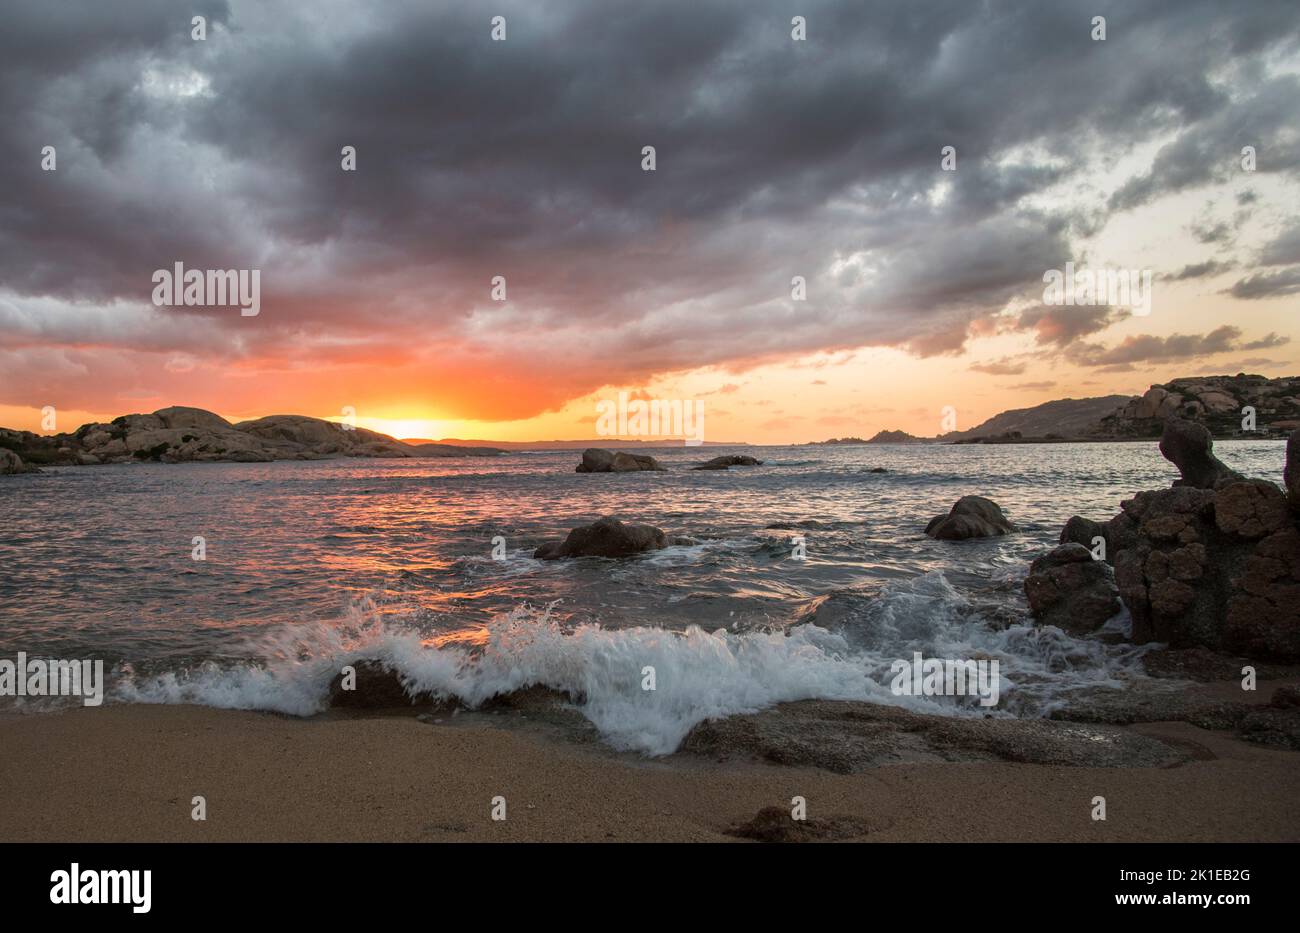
pixel 128 773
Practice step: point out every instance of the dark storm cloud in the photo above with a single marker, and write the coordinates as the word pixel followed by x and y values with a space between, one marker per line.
pixel 522 159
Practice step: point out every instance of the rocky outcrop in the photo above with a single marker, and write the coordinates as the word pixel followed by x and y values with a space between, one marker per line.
pixel 1216 402
pixel 722 463
pixel 1069 589
pixel 970 517
pixel 11 464
pixel 1212 562
pixel 599 460
pixel 1189 447
pixel 607 537
pixel 290 437
pixel 180 434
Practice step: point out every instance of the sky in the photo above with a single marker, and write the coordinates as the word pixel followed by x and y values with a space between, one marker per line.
pixel 523 158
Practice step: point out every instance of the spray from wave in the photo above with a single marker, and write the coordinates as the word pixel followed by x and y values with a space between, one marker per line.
pixel 697 674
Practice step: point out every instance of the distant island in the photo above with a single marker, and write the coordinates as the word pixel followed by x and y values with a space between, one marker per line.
pixel 668 442
pixel 180 434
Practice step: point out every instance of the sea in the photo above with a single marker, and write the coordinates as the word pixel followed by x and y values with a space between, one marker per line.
pixel 249 586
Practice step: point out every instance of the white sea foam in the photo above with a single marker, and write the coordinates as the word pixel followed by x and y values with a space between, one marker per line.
pixel 699 674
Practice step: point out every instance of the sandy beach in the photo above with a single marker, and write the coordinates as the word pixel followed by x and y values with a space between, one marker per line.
pixel 129 773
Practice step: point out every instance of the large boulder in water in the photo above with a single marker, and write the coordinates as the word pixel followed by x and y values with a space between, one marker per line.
pixel 722 463
pixel 600 460
pixel 607 537
pixel 1190 447
pixel 1213 568
pixel 970 517
pixel 12 464
pixel 1069 589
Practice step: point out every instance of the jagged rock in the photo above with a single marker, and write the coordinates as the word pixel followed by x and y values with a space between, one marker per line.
pixel 599 460
pixel 1251 509
pixel 722 463
pixel 970 517
pixel 1190 447
pixel 11 464
pixel 1070 590
pixel 607 537
pixel 1214 568
pixel 1215 401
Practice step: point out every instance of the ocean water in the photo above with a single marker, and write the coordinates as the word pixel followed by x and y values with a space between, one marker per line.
pixel 313 565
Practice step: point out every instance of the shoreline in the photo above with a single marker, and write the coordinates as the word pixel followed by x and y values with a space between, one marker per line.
pixel 129 773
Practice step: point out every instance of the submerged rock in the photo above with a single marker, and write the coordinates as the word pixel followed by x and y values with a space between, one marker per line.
pixel 607 537
pixel 970 517
pixel 722 463
pixel 1069 589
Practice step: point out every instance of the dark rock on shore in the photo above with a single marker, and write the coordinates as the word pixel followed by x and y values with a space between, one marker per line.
pixel 1069 589
pixel 722 463
pixel 1212 562
pixel 1206 666
pixel 599 460
pixel 849 736
pixel 774 824
pixel 607 537
pixel 377 687
pixel 1276 727
pixel 970 517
